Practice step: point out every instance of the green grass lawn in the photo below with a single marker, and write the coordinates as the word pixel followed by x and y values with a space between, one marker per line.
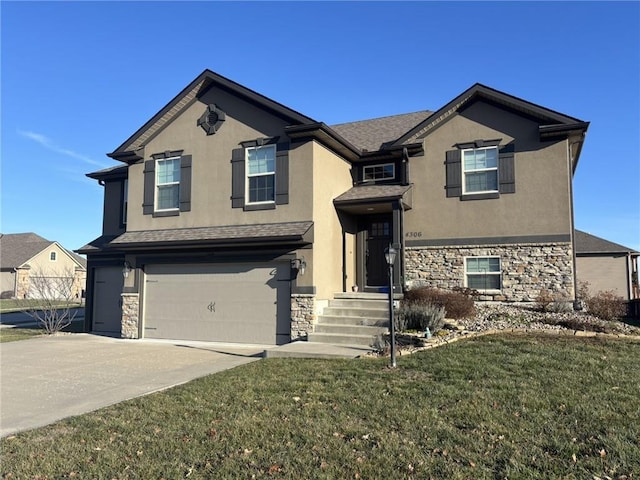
pixel 15 334
pixel 13 305
pixel 518 407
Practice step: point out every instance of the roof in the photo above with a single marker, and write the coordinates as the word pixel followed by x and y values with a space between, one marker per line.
pixel 585 243
pixel 110 172
pixel 18 248
pixel 363 193
pixel 373 134
pixel 290 231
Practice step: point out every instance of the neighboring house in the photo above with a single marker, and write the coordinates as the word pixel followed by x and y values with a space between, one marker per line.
pixel 225 194
pixel 607 266
pixel 23 255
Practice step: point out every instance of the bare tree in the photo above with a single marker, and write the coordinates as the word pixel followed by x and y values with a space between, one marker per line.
pixel 52 298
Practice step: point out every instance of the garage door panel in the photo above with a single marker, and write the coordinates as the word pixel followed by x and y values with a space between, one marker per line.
pixel 227 302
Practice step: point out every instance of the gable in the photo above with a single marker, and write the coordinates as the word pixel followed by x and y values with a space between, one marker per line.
pixel 549 120
pixel 20 248
pixel 195 91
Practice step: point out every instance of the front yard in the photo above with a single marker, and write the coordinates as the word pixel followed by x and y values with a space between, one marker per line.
pixel 503 406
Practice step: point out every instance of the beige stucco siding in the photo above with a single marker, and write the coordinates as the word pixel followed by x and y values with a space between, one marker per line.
pixel 7 284
pixel 211 168
pixel 59 267
pixel 331 177
pixel 540 206
pixel 604 273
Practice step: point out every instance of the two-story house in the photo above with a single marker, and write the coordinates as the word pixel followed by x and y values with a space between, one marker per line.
pixel 234 218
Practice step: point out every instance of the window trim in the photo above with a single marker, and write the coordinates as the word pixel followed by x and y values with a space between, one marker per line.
pixel 53 256
pixel 498 273
pixel 378 165
pixel 158 185
pixel 495 169
pixel 248 175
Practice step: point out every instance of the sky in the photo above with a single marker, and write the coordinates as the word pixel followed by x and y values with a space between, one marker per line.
pixel 78 78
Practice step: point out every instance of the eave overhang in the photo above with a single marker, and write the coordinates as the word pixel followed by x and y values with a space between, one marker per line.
pixel 114 173
pixel 235 236
pixel 323 134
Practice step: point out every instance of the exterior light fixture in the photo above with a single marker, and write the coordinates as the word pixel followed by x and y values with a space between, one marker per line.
pixel 126 269
pixel 390 257
pixel 299 265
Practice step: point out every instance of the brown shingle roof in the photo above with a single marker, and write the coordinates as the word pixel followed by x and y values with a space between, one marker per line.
pixel 372 192
pixel 373 134
pixel 587 243
pixel 281 231
pixel 18 248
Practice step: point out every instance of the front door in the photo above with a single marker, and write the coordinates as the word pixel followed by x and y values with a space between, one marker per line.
pixel 378 239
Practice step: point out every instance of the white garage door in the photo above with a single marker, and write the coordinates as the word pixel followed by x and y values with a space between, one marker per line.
pixel 237 303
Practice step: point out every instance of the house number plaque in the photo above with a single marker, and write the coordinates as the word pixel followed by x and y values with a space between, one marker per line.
pixel 212 307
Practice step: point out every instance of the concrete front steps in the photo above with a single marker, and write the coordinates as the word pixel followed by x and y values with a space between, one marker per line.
pixel 352 319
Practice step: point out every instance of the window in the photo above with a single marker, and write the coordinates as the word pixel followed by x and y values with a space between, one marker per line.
pixel 52 256
pixel 379 172
pixel 483 273
pixel 261 174
pixel 168 184
pixel 480 168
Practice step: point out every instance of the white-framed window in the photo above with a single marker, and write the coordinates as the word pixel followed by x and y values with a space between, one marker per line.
pixel 53 257
pixel 261 174
pixel 168 183
pixel 483 273
pixel 386 171
pixel 480 170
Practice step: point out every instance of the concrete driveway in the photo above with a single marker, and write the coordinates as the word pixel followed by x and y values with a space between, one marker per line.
pixel 46 379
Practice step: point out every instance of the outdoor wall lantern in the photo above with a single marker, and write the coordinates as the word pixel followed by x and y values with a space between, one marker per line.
pixel 126 269
pixel 390 257
pixel 299 265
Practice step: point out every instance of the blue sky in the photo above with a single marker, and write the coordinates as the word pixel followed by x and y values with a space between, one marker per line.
pixel 78 78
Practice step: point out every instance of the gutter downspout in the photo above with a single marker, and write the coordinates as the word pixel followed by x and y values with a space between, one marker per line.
pixel 571 215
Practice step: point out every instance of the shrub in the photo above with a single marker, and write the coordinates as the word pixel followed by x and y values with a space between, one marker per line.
pixel 607 306
pixel 544 300
pixel 420 316
pixel 457 304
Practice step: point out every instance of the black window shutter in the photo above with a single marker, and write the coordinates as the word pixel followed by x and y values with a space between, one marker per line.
pixel 185 183
pixel 506 169
pixel 237 178
pixel 282 174
pixel 454 173
pixel 149 187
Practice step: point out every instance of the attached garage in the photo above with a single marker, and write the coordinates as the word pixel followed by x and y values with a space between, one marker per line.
pixel 107 301
pixel 226 302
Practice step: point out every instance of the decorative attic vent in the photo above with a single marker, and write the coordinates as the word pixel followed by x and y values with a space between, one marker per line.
pixel 212 119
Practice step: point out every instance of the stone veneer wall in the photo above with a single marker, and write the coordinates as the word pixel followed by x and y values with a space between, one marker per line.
pixel 302 315
pixel 526 269
pixel 130 315
pixel 22 282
